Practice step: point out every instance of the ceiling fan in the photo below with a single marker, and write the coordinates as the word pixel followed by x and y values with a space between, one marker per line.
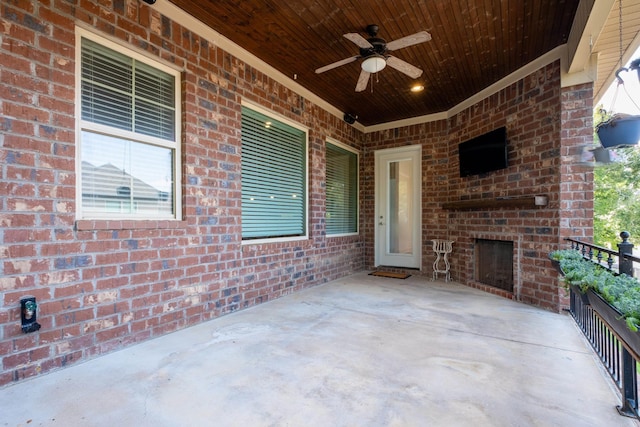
pixel 375 50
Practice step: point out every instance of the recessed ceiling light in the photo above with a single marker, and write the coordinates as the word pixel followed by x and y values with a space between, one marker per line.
pixel 417 88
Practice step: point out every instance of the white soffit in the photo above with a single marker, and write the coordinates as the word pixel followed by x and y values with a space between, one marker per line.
pixel 606 43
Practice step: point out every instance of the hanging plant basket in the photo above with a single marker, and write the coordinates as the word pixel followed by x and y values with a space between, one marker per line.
pixel 619 130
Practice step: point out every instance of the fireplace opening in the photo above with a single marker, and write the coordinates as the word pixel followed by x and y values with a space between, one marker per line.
pixel 494 263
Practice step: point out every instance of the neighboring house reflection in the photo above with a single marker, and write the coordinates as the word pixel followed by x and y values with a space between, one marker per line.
pixel 107 188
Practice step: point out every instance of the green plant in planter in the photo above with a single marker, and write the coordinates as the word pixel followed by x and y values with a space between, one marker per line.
pixel 576 270
pixel 566 254
pixel 595 279
pixel 621 291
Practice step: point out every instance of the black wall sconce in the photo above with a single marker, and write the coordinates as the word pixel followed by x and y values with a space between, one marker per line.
pixel 28 314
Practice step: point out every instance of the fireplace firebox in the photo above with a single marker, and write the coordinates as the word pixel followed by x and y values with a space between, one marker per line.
pixel 494 263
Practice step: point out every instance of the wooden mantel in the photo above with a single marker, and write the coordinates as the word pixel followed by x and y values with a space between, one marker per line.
pixel 499 202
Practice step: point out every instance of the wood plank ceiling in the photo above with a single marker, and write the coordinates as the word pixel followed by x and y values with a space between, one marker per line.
pixel 474 44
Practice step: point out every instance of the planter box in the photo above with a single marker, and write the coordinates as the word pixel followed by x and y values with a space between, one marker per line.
pixel 584 296
pixel 576 290
pixel 556 265
pixel 616 322
pixel 619 130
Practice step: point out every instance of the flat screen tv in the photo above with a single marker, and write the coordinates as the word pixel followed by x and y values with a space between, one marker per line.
pixel 484 153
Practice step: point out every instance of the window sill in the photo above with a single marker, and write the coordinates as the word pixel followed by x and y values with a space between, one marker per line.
pixel 268 241
pixel 332 236
pixel 127 224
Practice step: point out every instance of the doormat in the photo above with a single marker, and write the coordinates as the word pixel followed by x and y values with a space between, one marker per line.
pixel 390 274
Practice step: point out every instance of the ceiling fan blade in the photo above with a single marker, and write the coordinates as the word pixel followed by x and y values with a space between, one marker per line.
pixel 336 64
pixel 363 80
pixel 404 67
pixel 416 38
pixel 358 40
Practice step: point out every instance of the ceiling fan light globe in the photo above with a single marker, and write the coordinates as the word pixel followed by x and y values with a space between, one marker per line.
pixel 374 63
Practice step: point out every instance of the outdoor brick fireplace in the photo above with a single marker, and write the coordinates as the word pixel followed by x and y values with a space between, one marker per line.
pixel 494 263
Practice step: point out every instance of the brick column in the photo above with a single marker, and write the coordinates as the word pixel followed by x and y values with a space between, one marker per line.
pixel 576 179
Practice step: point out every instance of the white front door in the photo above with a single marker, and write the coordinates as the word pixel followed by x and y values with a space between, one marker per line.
pixel 398 238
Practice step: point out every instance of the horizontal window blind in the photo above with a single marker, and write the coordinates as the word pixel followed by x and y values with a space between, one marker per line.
pixel 273 177
pixel 341 190
pixel 121 92
pixel 154 102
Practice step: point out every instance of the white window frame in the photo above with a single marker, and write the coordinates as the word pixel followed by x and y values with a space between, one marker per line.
pixel 357 153
pixel 83 125
pixel 268 113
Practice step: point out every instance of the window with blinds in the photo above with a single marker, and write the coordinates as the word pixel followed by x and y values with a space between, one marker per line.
pixel 128 135
pixel 274 178
pixel 341 190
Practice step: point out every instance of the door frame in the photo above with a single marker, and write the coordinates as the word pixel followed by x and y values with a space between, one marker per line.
pixel 401 153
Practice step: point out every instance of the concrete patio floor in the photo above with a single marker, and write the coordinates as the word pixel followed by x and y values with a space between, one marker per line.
pixel 359 351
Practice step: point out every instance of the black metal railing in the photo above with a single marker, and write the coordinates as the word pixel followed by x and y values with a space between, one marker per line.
pixel 620 261
pixel 618 361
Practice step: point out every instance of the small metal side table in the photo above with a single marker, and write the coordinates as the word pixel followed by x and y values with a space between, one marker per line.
pixel 442 248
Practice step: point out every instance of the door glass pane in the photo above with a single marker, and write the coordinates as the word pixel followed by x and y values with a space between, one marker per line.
pixel 400 215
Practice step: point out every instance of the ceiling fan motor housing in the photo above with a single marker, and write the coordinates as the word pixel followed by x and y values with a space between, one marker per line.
pixel 379 47
pixel 375 56
pixel 372 30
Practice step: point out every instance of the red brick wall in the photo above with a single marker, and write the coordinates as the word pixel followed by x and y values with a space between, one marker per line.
pixel 576 180
pixel 102 285
pixel 545 125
